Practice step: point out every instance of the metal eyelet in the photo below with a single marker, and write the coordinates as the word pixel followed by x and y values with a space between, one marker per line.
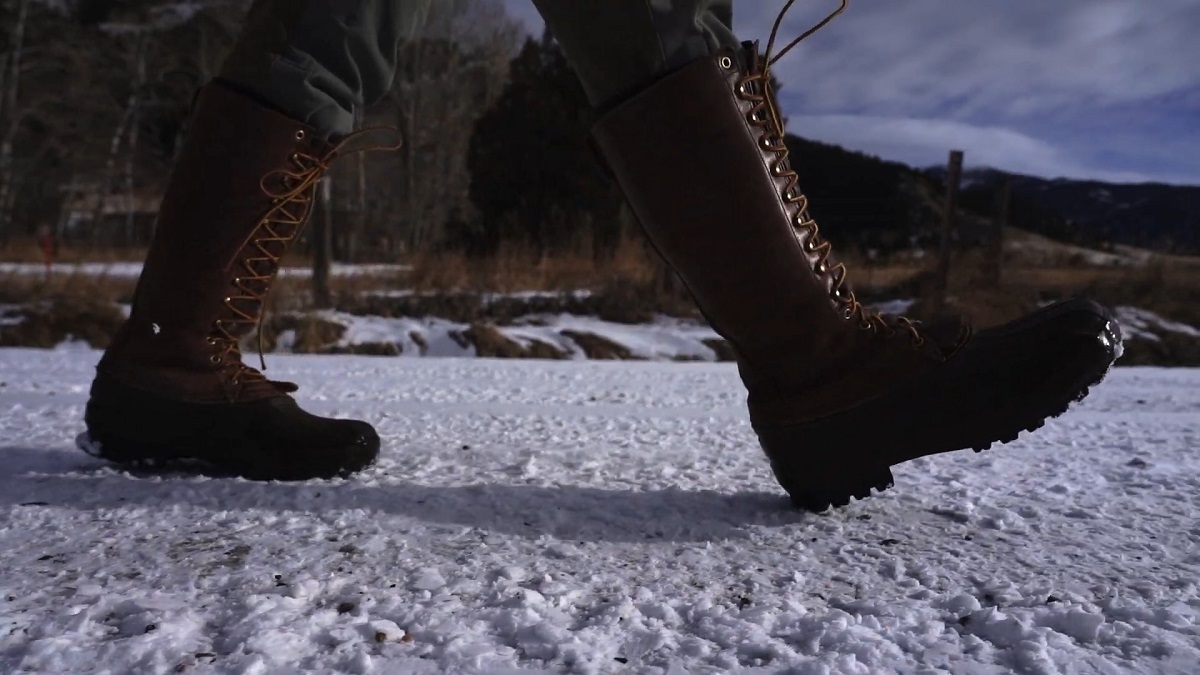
pixel 778 169
pixel 820 268
pixel 234 381
pixel 810 245
pixel 848 314
pixel 300 135
pixel 214 358
pixel 837 293
pixel 919 342
pixel 726 62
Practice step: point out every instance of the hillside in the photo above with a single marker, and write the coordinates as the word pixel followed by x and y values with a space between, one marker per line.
pixel 865 201
pixel 868 202
pixel 1164 218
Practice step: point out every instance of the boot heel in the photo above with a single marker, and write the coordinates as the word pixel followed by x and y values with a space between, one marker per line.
pixel 817 475
pixel 815 488
pixel 158 434
pixel 119 450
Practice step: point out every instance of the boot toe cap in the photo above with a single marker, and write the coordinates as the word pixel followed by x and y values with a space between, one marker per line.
pixel 333 448
pixel 360 446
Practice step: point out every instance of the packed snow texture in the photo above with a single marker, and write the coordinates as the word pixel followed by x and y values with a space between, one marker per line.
pixel 597 517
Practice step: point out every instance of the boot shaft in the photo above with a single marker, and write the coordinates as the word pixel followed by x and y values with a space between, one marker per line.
pixel 241 190
pixel 700 157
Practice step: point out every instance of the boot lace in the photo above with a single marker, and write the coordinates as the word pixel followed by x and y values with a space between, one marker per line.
pixel 292 192
pixel 755 87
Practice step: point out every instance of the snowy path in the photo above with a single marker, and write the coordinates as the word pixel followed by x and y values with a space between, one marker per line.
pixel 598 517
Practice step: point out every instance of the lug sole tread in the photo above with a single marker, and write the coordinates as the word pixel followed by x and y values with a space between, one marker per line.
pixel 875 480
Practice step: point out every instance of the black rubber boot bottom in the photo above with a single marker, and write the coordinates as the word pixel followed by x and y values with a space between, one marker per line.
pixel 268 439
pixel 1007 380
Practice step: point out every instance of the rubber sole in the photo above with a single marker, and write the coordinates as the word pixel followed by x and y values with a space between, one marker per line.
pixel 267 439
pixel 972 403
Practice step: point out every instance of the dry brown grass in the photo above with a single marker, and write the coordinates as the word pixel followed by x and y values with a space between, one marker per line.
pixel 20 288
pixel 1166 285
pixel 27 250
pixel 626 288
pixel 514 269
pixel 48 323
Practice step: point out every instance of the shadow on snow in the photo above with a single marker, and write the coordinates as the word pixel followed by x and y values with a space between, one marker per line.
pixel 71 479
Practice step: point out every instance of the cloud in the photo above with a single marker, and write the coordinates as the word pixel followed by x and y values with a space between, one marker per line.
pixel 527 14
pixel 927 142
pixel 1114 84
pixel 976 59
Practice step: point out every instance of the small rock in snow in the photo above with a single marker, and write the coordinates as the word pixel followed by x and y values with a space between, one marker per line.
pixel 383 630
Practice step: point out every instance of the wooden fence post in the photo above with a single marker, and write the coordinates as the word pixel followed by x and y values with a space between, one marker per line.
pixel 322 243
pixel 953 176
pixel 995 253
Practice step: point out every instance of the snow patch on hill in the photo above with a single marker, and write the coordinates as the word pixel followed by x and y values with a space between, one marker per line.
pixel 1142 324
pixel 663 339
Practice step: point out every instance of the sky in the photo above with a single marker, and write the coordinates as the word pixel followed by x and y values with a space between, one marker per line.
pixel 1100 89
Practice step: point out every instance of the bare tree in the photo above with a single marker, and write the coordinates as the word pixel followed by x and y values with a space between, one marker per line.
pixel 9 113
pixel 145 28
pixel 447 78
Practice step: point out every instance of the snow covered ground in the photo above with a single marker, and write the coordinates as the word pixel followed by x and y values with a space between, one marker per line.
pixel 586 516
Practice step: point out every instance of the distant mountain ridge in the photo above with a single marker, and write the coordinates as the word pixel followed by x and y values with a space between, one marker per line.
pixel 876 204
pixel 1155 216
pixel 864 201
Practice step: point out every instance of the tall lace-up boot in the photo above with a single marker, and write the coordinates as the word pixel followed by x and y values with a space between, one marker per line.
pixel 172 385
pixel 838 394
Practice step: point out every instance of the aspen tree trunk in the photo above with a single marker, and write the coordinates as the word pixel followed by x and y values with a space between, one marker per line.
pixel 8 111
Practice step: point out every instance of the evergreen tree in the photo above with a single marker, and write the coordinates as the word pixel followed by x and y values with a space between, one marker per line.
pixel 533 177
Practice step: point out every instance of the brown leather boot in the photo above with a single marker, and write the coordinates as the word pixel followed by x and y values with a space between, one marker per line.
pixel 172 385
pixel 837 393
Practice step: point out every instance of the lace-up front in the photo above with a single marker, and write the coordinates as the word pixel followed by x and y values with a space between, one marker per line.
pixel 755 87
pixel 700 158
pixel 171 386
pixel 292 194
